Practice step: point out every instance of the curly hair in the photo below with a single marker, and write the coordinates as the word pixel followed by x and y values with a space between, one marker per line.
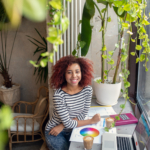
pixel 58 79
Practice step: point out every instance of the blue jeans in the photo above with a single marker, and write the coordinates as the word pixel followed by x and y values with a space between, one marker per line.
pixel 59 142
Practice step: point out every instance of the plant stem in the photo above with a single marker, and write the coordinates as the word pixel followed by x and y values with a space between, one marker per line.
pixel 103 44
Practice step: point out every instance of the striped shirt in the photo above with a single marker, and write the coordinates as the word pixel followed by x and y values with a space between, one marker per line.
pixel 67 107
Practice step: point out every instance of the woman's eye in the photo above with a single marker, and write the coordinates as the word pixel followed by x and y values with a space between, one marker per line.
pixel 69 72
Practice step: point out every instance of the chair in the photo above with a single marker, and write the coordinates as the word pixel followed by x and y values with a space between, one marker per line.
pixel 29 125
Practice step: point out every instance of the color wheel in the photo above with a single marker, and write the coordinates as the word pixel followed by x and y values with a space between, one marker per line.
pixel 89 132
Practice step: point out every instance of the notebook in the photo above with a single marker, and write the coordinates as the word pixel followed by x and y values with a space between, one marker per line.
pixel 125 119
pixel 138 141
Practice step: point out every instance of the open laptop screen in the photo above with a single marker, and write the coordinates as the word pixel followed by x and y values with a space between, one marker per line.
pixel 142 134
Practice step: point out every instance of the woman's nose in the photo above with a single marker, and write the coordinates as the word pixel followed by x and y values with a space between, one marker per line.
pixel 74 74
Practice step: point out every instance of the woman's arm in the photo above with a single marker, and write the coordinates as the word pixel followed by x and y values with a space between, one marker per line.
pixel 96 118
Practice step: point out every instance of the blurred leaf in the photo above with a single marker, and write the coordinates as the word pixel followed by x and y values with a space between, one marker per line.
pixel 34 10
pixel 122 106
pixel 56 4
pixel 106 129
pixel 82 44
pixel 74 52
pixel 127 7
pixel 43 62
pixel 138 47
pixel 132 53
pixel 117 117
pixel 86 30
pixel 109 19
pixel 64 23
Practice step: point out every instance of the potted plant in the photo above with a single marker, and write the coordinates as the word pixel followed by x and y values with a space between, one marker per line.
pixel 9 92
pixel 128 12
pixel 41 47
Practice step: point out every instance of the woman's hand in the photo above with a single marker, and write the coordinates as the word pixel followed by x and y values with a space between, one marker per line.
pixel 96 118
pixel 56 130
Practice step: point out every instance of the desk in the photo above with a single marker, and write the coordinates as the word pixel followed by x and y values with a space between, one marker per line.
pixel 124 129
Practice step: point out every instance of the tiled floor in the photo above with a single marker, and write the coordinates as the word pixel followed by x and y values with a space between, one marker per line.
pixel 26 146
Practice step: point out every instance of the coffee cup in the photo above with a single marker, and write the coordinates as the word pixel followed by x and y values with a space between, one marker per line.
pixel 109 121
pixel 88 142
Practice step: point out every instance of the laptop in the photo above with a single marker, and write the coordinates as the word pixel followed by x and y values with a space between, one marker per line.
pixel 138 141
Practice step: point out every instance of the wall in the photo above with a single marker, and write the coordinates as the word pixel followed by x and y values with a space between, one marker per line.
pixel 20 68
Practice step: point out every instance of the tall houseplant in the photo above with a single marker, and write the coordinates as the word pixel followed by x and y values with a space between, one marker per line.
pixel 128 12
pixel 9 94
pixel 41 47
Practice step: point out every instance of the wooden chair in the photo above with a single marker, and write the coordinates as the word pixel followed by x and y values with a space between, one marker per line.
pixel 29 124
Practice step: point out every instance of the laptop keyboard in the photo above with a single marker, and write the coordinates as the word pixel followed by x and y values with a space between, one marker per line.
pixel 123 143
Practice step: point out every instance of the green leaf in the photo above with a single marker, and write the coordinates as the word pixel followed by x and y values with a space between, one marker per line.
pixel 106 129
pixel 56 4
pixel 127 7
pixel 122 106
pixel 34 10
pixel 113 124
pixel 109 19
pixel 130 18
pixel 116 11
pixel 145 22
pixel 82 44
pixel 69 0
pixel 64 23
pixel 138 47
pixel 45 54
pixel 145 44
pixel 132 53
pixel 146 69
pixel 137 60
pixel 90 7
pixel 142 57
pixel 122 90
pixel 34 63
pixel 104 48
pixel 74 52
pixel 111 62
pixel 106 72
pixel 98 81
pixel 101 29
pixel 104 56
pixel 79 37
pixel 43 62
pixel 57 18
pixel 124 57
pixel 127 84
pixel 133 40
pixel 120 10
pixel 125 25
pixel 103 10
pixel 86 30
pixel 111 53
pixel 117 117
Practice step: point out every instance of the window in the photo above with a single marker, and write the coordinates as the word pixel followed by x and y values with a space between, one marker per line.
pixel 143 88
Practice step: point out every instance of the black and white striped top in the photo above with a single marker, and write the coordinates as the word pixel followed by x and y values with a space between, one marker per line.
pixel 67 107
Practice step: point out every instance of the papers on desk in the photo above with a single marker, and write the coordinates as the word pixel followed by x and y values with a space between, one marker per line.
pixel 77 136
pixel 103 111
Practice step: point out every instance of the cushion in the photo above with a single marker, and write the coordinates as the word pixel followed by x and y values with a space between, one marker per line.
pixel 42 109
pixel 29 123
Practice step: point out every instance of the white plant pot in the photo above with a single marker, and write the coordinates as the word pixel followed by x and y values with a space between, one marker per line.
pixel 11 95
pixel 107 94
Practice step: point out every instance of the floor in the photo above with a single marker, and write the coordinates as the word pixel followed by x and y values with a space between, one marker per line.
pixel 26 146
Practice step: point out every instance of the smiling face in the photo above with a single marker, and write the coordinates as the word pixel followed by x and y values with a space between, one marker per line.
pixel 73 75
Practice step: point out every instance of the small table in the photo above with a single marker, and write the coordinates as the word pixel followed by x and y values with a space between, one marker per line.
pixel 124 129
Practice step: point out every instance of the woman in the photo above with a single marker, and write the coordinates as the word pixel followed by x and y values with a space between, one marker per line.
pixel 70 77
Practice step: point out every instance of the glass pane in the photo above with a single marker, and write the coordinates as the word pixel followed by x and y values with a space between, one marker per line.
pixel 143 90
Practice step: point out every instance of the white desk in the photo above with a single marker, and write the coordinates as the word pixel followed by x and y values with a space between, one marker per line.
pixel 125 129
